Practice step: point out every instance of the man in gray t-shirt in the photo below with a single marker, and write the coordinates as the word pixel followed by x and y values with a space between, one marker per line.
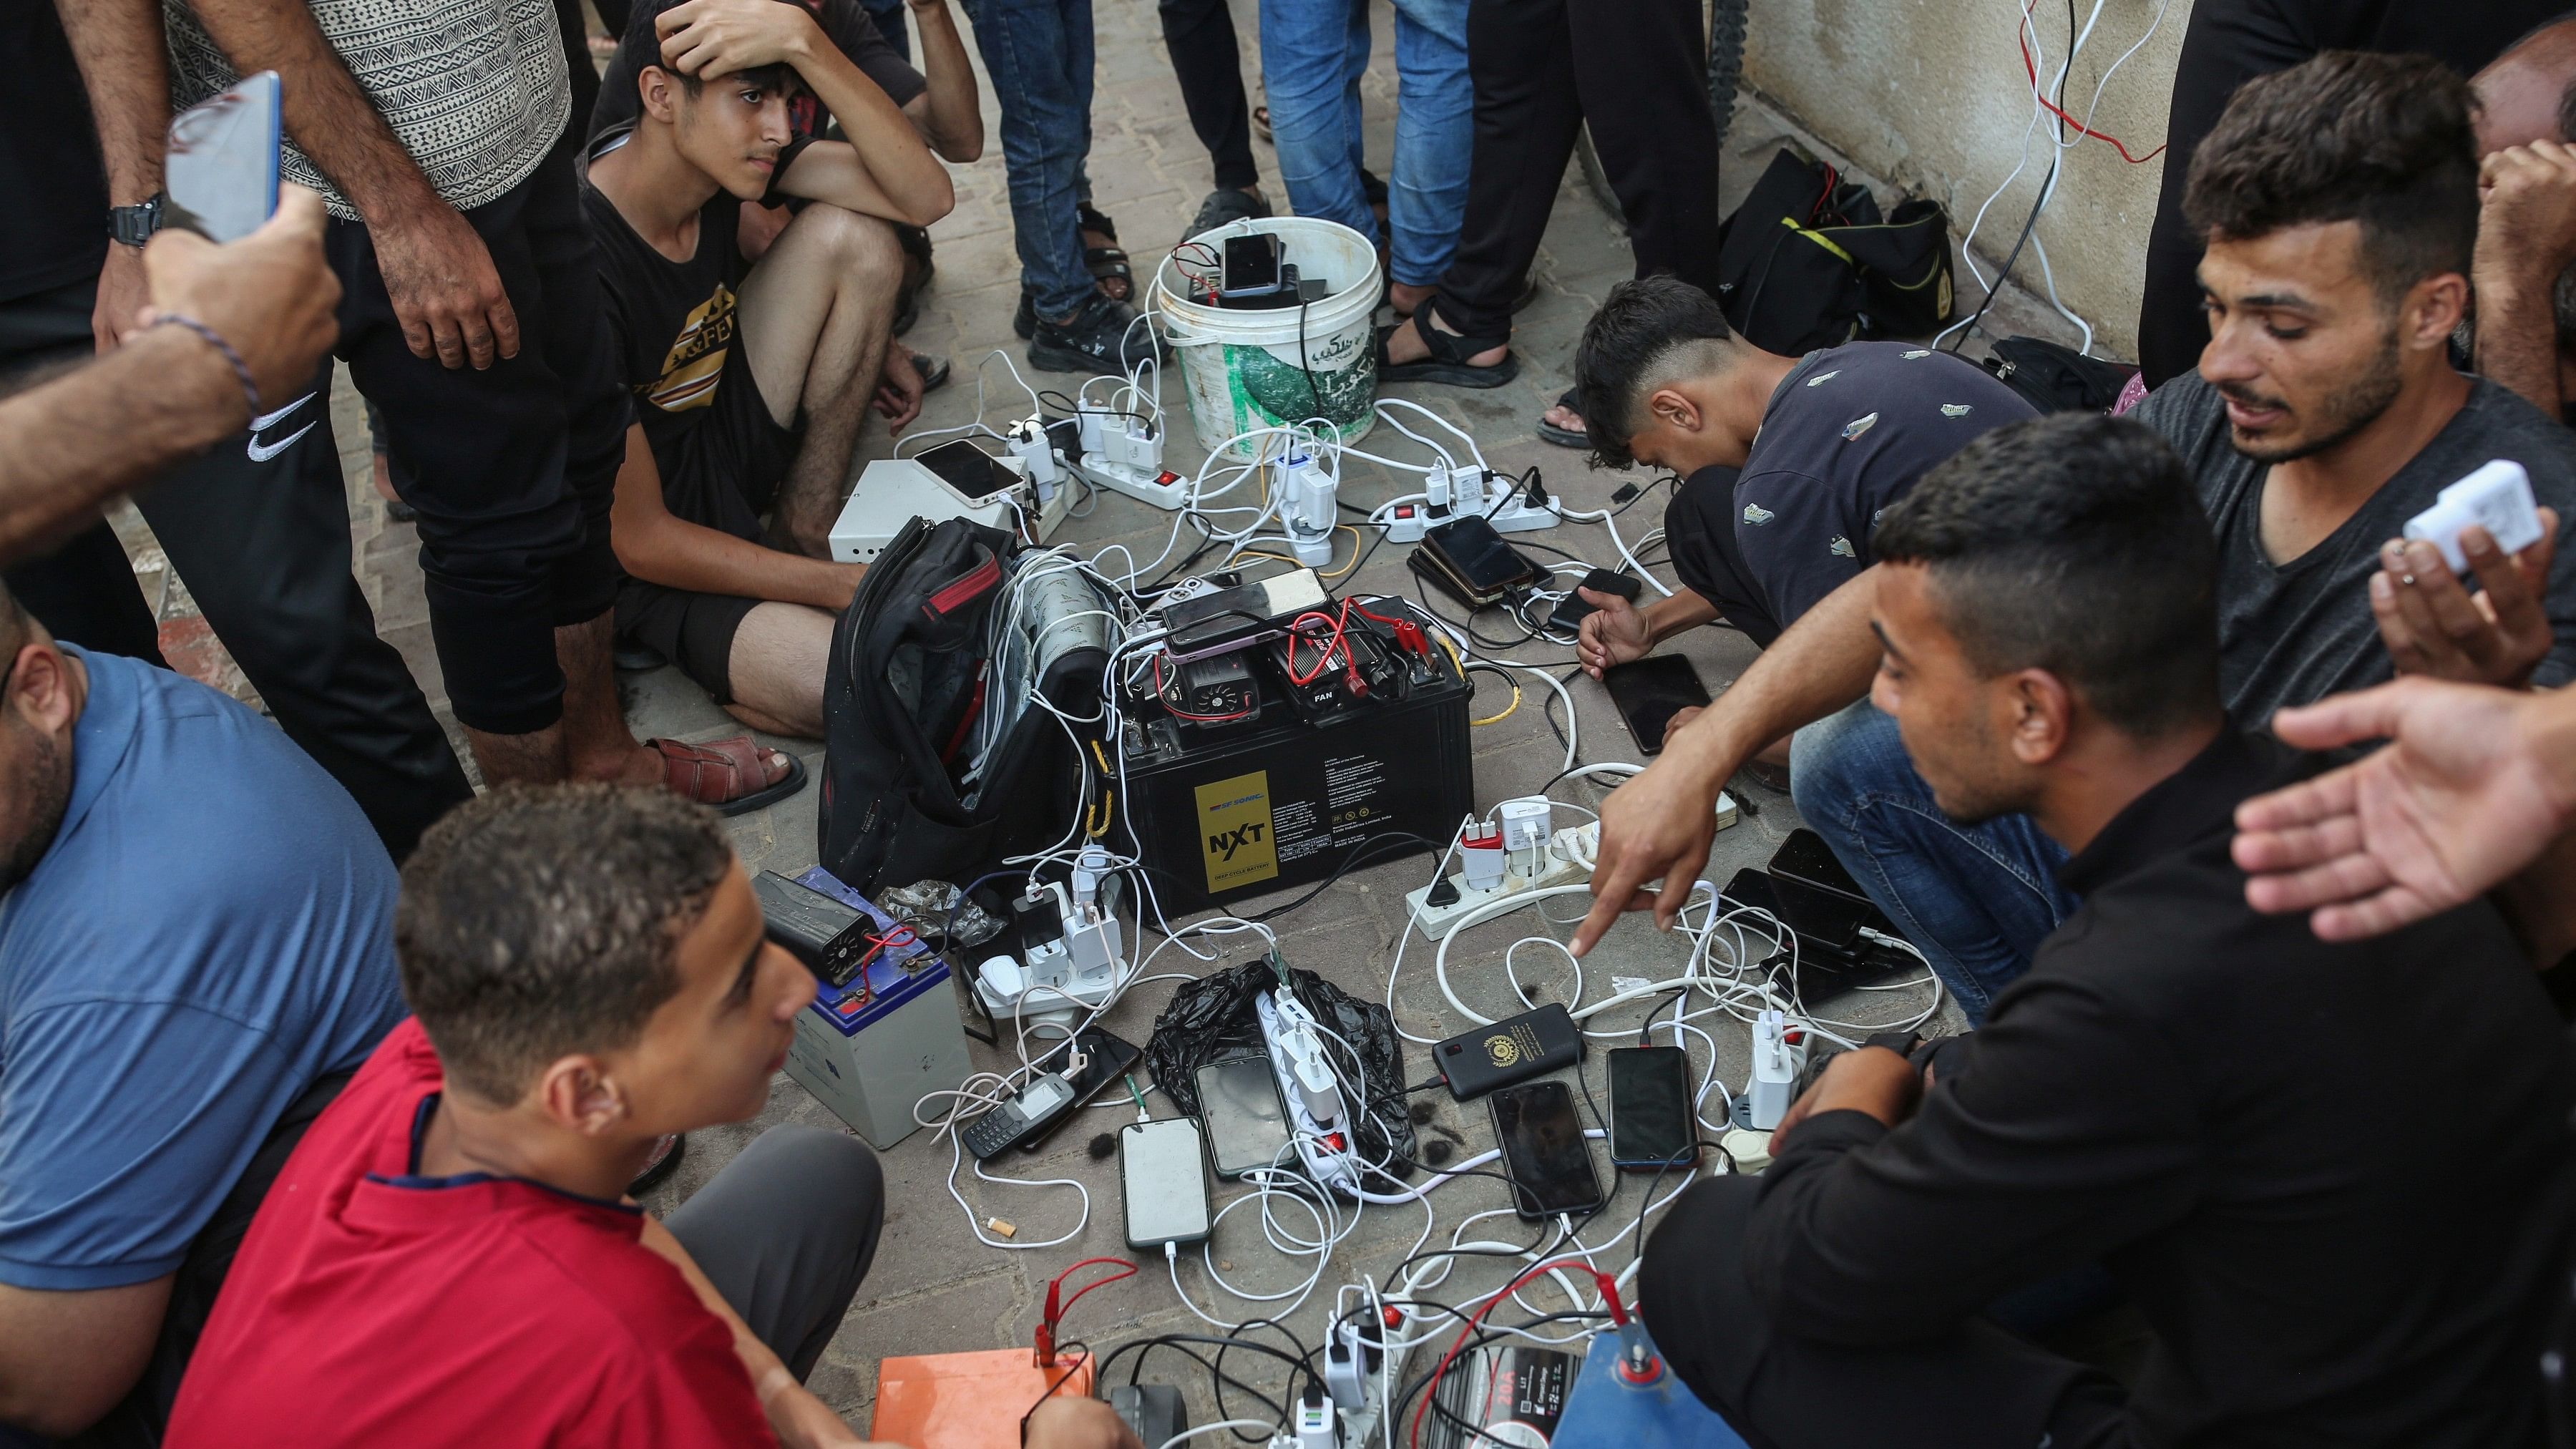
pixel 2325 414
pixel 2296 630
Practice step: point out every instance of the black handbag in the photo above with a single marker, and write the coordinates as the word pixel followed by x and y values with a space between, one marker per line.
pixel 1809 261
pixel 2058 379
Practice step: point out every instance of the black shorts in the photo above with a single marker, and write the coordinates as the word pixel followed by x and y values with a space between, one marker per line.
pixel 724 475
pixel 1699 533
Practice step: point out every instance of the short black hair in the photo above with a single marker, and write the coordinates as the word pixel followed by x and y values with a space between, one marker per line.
pixel 543 920
pixel 641 46
pixel 2074 543
pixel 1644 329
pixel 2389 141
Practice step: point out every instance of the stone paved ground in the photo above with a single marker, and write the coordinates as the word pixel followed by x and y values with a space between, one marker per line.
pixel 933 1288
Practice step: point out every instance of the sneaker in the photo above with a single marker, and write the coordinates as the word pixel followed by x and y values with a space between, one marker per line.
pixel 1102 337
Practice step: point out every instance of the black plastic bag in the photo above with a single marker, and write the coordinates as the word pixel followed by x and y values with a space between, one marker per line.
pixel 1214 1016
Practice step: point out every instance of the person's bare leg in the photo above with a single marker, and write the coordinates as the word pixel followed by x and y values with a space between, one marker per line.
pixel 597 744
pixel 813 319
pixel 777 666
pixel 534 758
pixel 1408 299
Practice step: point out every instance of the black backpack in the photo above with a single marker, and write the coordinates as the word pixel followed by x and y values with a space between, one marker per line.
pixel 2058 379
pixel 1808 261
pixel 912 788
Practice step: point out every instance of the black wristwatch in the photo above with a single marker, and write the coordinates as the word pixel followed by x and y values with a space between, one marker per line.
pixel 134 225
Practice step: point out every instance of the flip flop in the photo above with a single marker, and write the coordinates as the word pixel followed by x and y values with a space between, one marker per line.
pixel 1226 204
pixel 711 773
pixel 1564 437
pixel 1447 365
pixel 934 370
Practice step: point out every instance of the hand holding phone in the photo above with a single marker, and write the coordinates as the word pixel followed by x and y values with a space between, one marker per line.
pixel 270 295
pixel 220 172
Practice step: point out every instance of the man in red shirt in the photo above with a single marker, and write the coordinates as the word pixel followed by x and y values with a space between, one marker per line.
pixel 448 1258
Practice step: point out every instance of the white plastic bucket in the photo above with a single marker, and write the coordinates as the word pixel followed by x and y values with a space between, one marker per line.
pixel 1255 369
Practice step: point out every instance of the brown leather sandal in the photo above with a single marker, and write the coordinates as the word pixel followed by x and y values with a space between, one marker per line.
pixel 726 774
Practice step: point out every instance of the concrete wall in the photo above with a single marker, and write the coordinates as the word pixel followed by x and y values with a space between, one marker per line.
pixel 1931 95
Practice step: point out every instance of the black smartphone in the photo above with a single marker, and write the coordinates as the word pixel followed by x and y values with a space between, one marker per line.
pixel 1571 610
pixel 1650 691
pixel 1251 264
pixel 1650 1110
pixel 1247 1126
pixel 1543 1151
pixel 1106 1058
pixel 1475 553
pixel 968 469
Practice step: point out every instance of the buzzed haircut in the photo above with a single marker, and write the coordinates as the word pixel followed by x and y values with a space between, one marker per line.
pixel 539 921
pixel 2388 141
pixel 2074 543
pixel 1647 332
pixel 641 46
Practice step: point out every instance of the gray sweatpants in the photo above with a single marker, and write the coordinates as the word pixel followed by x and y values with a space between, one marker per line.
pixel 786 1232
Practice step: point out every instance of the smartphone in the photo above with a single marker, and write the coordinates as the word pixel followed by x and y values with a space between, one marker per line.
pixel 1571 610
pixel 968 469
pixel 1247 1126
pixel 1251 264
pixel 1649 692
pixel 1163 1173
pixel 1105 1059
pixel 1477 556
pixel 1650 1110
pixel 221 174
pixel 1543 1151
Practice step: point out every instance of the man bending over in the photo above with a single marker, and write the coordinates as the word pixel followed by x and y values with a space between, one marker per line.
pixel 2176 1090
pixel 1788 461
pixel 752 379
pixel 2340 199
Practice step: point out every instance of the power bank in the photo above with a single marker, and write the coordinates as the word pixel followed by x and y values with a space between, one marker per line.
pixel 1514 1049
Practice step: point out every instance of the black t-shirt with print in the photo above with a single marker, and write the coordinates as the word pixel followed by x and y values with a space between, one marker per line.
pixel 1849 431
pixel 673 327
pixel 850 29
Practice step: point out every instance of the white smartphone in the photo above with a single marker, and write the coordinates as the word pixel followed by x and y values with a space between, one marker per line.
pixel 1163 1169
pixel 221 176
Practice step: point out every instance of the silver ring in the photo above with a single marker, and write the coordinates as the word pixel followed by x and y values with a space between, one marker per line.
pixel 2407 579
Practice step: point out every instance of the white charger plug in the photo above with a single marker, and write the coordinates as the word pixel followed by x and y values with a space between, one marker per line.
pixel 2496 497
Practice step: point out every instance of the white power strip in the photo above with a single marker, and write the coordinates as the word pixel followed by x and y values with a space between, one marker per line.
pixel 1567 860
pixel 1360 1424
pixel 1165 489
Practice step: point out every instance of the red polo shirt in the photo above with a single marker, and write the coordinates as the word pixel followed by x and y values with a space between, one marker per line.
pixel 370 1305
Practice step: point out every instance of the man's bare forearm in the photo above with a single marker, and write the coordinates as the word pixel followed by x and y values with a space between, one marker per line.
pixel 1817 665
pixel 888 147
pixel 326 112
pixel 105 428
pixel 1680 614
pixel 124 65
pixel 955 127
pixel 2518 339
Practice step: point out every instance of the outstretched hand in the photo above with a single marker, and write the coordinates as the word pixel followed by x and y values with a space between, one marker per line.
pixel 1655 827
pixel 2461 798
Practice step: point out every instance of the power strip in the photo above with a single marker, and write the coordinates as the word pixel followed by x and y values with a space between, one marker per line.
pixel 1360 1424
pixel 1165 489
pixel 1569 857
pixel 1522 516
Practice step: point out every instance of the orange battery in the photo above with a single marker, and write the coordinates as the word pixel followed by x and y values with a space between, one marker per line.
pixel 968 1400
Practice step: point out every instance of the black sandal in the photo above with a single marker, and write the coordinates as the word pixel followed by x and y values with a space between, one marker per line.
pixel 1564 437
pixel 1105 264
pixel 1447 364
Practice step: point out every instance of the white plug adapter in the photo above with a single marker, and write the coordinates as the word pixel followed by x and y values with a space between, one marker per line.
pixel 1775 1073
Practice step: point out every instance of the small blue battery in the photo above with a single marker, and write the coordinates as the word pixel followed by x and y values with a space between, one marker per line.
pixel 872 1049
pixel 1605 1411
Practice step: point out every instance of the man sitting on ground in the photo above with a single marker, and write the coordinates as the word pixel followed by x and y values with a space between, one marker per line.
pixel 754 404
pixel 2172 1091
pixel 196 949
pixel 449 1259
pixel 2340 198
pixel 1787 461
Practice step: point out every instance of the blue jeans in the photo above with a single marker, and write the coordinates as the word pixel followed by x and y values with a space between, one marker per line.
pixel 1038 53
pixel 1312 54
pixel 1978 899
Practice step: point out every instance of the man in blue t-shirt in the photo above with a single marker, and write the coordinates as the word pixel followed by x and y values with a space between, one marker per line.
pixel 195 950
pixel 1787 461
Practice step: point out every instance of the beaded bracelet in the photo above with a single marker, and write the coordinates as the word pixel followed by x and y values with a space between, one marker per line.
pixel 214 339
